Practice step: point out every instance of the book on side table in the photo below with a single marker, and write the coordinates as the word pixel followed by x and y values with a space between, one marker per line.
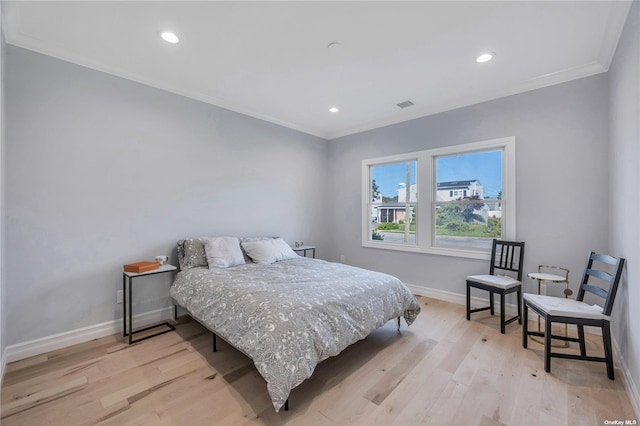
pixel 139 267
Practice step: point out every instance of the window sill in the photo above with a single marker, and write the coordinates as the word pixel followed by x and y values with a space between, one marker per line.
pixel 439 251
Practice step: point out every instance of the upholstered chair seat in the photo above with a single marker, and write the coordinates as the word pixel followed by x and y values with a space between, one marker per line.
pixel 500 281
pixel 561 307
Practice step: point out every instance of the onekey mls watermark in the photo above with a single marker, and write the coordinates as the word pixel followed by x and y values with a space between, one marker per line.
pixel 621 422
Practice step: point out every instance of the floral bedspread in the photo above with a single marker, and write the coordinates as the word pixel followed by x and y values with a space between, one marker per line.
pixel 290 315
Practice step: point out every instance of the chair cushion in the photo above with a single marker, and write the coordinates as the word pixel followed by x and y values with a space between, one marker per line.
pixel 559 306
pixel 498 281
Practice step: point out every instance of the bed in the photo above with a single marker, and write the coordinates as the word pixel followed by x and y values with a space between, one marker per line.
pixel 290 314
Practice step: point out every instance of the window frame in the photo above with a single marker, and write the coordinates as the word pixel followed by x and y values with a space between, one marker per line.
pixel 426 196
pixel 394 159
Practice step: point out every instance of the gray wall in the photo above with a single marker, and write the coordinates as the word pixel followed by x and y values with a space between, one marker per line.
pixel 2 269
pixel 102 171
pixel 624 77
pixel 562 180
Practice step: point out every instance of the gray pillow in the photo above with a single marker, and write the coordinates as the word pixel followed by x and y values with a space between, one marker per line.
pixel 269 251
pixel 193 254
pixel 247 259
pixel 223 252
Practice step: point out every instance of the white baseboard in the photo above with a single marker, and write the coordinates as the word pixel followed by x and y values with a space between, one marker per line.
pixel 461 299
pixel 629 384
pixel 3 365
pixel 447 296
pixel 62 340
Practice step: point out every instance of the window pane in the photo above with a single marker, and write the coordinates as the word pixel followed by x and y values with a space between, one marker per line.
pixel 399 232
pixel 393 202
pixel 468 208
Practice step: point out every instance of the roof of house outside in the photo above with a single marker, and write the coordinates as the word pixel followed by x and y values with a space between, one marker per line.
pixel 457 184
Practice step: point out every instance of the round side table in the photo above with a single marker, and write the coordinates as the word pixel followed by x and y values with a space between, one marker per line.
pixel 543 276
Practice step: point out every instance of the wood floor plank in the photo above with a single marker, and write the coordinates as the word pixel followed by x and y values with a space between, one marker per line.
pixel 412 399
pixel 43 397
pixel 393 377
pixel 482 399
pixel 418 404
pixel 462 348
pixel 26 363
pixel 443 370
pixel 447 404
pixel 527 403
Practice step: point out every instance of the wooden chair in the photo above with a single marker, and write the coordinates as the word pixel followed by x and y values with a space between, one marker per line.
pixel 578 312
pixel 505 256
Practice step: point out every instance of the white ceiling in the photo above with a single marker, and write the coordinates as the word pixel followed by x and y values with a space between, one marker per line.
pixel 270 59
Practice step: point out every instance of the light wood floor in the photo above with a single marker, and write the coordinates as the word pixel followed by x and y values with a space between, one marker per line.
pixel 443 370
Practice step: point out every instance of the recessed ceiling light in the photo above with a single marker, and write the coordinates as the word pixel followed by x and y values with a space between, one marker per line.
pixel 169 37
pixel 485 57
pixel 334 45
pixel 333 109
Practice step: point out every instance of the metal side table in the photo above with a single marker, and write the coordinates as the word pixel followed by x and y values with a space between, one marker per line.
pixel 544 276
pixel 304 249
pixel 127 305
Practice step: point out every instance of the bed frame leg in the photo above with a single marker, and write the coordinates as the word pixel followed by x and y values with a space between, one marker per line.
pixel 286 405
pixel 215 349
pixel 398 324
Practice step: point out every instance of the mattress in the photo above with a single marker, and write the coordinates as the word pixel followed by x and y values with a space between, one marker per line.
pixel 289 316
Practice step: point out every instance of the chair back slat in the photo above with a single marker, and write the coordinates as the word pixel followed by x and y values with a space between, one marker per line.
pixel 507 256
pixel 604 276
pixel 610 281
pixel 604 258
pixel 596 290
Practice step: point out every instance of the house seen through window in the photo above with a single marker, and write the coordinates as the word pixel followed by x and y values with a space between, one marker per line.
pixel 466 195
pixel 467 207
pixel 394 202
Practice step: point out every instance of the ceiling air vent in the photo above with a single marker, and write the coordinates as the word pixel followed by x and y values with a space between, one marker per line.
pixel 405 104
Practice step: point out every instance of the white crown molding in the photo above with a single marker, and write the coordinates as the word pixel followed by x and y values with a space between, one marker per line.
pixel 532 84
pixel 14 38
pixel 37 46
pixel 2 23
pixel 615 25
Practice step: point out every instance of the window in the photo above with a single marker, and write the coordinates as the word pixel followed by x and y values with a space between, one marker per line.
pixel 393 202
pixel 466 195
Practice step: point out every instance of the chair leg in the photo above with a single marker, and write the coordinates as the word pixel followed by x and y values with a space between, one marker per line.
pixel 468 302
pixel 502 309
pixel 525 326
pixel 583 347
pixel 606 338
pixel 547 345
pixel 519 302
pixel 491 304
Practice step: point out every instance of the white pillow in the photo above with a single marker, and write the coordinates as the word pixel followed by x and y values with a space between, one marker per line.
pixel 223 252
pixel 268 251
